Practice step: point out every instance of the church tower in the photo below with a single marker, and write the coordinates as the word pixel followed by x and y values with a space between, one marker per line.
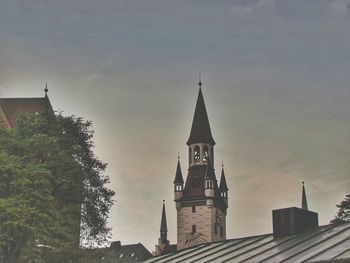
pixel 201 204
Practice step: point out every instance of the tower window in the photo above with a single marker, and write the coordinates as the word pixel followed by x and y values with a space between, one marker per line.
pixel 216 228
pixel 193 209
pixel 190 155
pixel 205 153
pixel 196 153
pixel 193 229
pixel 221 231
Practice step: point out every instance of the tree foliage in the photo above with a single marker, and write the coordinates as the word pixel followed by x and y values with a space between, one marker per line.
pixel 343 214
pixel 52 187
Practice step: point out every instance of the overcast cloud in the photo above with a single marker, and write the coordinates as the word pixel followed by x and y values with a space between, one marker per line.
pixel 276 85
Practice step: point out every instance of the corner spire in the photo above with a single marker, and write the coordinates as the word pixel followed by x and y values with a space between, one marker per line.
pixel 200 131
pixel 178 175
pixel 46 90
pixel 223 185
pixel 163 224
pixel 303 199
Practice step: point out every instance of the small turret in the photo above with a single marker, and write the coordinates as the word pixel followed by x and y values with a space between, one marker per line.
pixel 178 182
pixel 163 226
pixel 163 245
pixel 223 186
pixel 303 199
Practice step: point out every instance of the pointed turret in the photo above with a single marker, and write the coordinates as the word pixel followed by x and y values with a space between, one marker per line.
pixel 200 131
pixel 178 175
pixel 163 225
pixel 163 245
pixel 178 183
pixel 303 199
pixel 223 186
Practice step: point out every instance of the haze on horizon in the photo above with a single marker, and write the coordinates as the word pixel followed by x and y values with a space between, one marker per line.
pixel 276 85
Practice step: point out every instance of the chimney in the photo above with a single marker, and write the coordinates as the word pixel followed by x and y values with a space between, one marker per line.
pixel 116 245
pixel 293 220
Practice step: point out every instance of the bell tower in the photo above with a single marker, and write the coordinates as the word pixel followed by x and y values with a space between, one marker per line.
pixel 200 203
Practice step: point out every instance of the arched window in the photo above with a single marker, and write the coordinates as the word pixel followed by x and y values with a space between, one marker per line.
pixel 196 153
pixel 205 153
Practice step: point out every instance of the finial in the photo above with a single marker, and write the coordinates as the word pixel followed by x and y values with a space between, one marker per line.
pixel 163 201
pixel 178 156
pixel 303 182
pixel 200 81
pixel 46 90
pixel 222 164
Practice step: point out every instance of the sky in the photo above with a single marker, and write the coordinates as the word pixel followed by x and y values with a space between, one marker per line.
pixel 276 84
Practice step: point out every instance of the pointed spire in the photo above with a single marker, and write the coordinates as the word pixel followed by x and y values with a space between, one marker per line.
pixel 163 224
pixel 223 185
pixel 178 176
pixel 200 131
pixel 303 199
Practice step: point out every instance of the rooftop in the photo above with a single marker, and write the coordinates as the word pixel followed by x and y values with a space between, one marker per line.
pixel 330 243
pixel 10 107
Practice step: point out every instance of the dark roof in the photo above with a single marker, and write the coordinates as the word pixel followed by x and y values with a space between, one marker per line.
pixel 194 186
pixel 163 225
pixel 118 254
pixel 178 176
pixel 330 243
pixel 223 185
pixel 303 199
pixel 200 131
pixel 13 106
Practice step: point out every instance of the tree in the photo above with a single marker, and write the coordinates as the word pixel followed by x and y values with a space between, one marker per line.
pixel 343 214
pixel 52 187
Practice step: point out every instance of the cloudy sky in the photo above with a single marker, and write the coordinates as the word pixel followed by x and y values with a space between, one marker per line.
pixel 275 80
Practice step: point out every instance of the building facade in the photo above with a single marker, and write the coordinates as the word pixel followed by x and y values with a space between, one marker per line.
pixel 201 203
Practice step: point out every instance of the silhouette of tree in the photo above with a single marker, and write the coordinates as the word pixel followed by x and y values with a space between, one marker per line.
pixel 343 214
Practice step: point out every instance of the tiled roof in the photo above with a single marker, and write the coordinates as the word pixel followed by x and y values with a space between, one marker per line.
pixel 118 254
pixel 330 243
pixel 13 106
